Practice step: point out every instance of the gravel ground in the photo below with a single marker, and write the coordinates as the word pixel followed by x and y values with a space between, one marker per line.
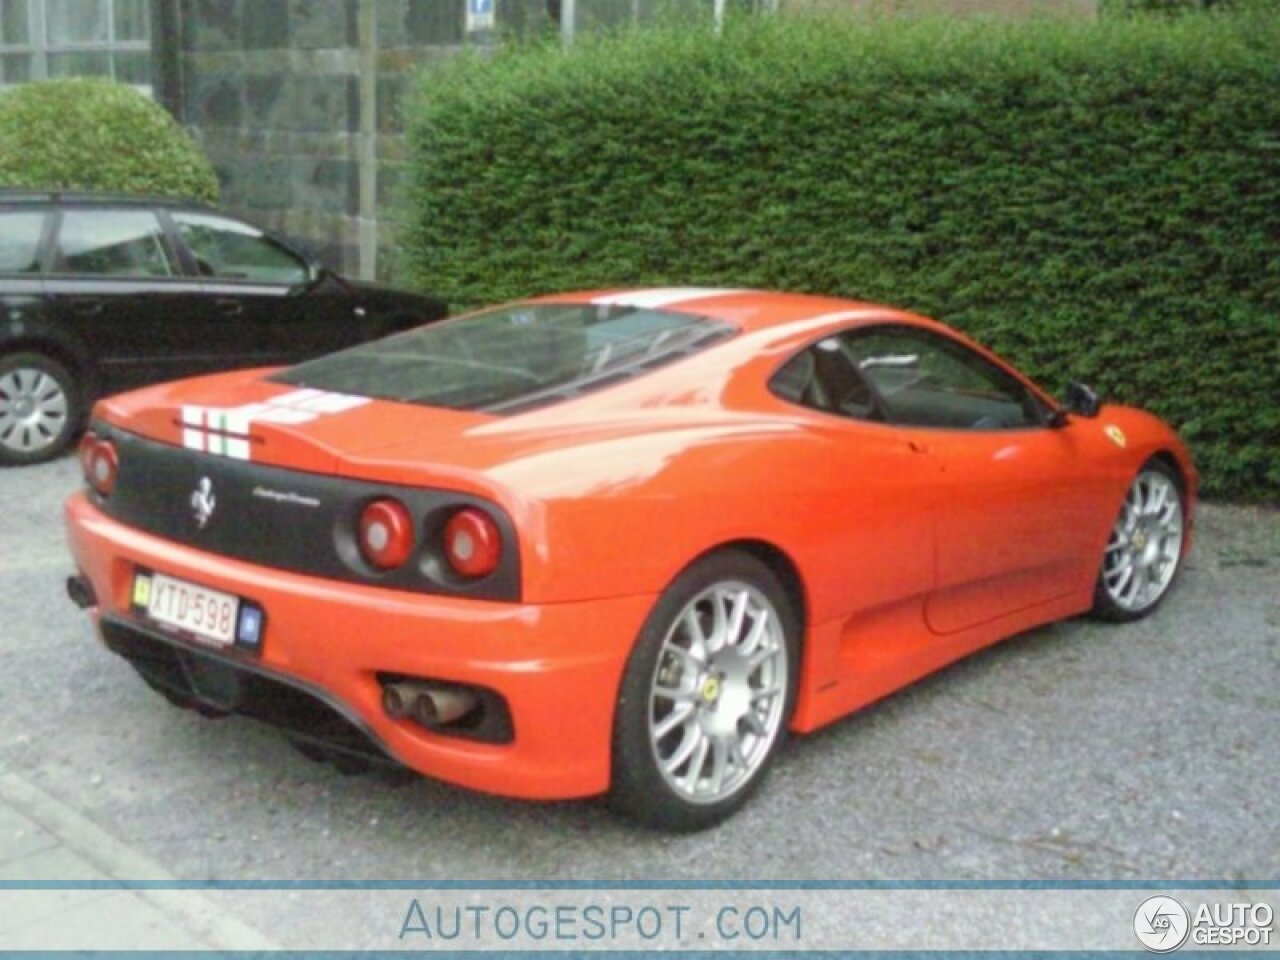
pixel 1077 751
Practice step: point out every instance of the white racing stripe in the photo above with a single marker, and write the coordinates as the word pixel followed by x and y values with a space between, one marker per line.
pixel 193 428
pixel 225 431
pixel 662 297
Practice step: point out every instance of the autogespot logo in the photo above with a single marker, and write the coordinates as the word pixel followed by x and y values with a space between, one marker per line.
pixel 1161 924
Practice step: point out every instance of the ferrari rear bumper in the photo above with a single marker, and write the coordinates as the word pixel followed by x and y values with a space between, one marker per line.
pixel 193 677
pixel 327 648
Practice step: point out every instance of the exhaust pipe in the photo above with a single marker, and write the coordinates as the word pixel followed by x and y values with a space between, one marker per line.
pixel 80 590
pixel 438 706
pixel 428 706
pixel 398 699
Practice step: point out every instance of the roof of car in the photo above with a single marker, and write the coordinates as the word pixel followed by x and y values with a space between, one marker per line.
pixel 745 309
pixel 20 195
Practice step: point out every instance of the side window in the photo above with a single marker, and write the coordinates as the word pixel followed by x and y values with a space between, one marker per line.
pixel 20 233
pixel 118 243
pixel 823 377
pixel 929 380
pixel 236 251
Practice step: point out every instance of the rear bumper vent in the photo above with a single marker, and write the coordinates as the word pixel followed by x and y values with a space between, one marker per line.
pixel 217 685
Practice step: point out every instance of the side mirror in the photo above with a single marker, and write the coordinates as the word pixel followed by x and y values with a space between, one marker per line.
pixel 1082 400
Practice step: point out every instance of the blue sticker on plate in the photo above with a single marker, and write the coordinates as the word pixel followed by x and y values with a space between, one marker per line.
pixel 249 631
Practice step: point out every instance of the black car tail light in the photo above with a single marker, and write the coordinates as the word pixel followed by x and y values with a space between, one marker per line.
pixel 385 534
pixel 472 543
pixel 100 464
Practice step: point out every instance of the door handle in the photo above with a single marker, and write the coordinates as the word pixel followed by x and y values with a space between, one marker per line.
pixel 230 306
pixel 917 447
pixel 86 306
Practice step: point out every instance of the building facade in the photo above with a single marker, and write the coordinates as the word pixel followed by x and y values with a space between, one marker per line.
pixel 57 38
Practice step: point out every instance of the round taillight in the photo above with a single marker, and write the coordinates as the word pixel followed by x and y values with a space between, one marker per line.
pixel 386 534
pixel 472 543
pixel 99 463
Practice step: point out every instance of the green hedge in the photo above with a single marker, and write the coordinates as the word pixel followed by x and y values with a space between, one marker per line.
pixel 1096 201
pixel 95 134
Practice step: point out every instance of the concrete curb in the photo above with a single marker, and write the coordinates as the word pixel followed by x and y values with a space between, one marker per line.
pixel 70 837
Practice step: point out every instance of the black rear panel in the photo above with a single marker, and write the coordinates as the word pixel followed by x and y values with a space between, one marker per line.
pixel 226 686
pixel 303 522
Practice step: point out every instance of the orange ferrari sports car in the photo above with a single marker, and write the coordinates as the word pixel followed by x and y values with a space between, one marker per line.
pixel 613 542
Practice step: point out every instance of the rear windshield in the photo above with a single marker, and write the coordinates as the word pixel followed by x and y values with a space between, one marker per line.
pixel 513 358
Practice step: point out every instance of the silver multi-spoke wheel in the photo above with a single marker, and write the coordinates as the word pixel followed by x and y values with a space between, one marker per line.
pixel 34 411
pixel 1145 548
pixel 707 692
pixel 719 692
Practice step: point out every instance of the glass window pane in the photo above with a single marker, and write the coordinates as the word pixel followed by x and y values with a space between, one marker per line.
pixel 84 64
pixel 134 68
pixel 13 22
pixel 513 358
pixel 71 22
pixel 20 241
pixel 131 20
pixel 15 68
pixel 823 377
pixel 237 251
pixel 928 380
pixel 124 243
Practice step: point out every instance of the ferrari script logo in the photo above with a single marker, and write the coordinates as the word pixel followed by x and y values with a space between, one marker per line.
pixel 203 502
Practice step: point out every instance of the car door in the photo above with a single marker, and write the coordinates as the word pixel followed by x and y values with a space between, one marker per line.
pixel 22 289
pixel 872 493
pixel 279 307
pixel 114 281
pixel 1015 519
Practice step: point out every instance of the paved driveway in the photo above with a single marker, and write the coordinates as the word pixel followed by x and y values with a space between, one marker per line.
pixel 1082 750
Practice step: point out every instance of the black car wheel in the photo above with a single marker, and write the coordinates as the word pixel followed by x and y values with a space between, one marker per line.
pixel 39 408
pixel 707 694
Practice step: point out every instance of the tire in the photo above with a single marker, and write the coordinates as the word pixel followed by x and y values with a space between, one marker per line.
pixel 732 684
pixel 1144 551
pixel 40 408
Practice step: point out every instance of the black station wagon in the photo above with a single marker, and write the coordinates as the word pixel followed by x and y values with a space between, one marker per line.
pixel 105 293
